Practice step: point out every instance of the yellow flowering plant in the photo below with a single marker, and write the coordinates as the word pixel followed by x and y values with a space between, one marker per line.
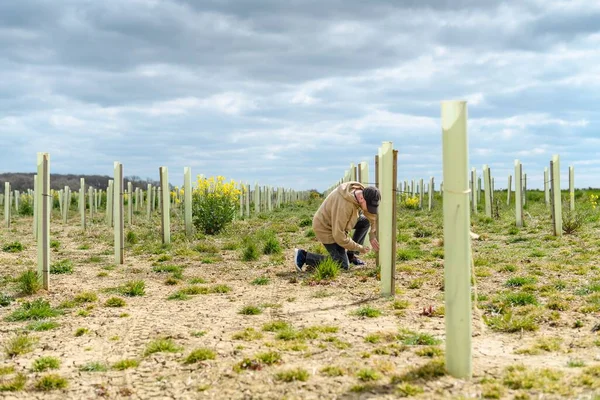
pixel 411 202
pixel 214 203
pixel 594 200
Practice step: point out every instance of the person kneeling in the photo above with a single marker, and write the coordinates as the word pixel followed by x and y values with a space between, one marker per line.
pixel 339 213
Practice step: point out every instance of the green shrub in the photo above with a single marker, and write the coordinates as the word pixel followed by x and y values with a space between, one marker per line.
pixel 213 204
pixel 250 252
pixel 51 382
pixel 62 267
pixel 131 237
pixel 5 300
pixel 125 364
pixel 250 310
pixel 13 247
pixel 272 246
pixel 29 282
pixel 133 288
pixel 13 385
pixel 26 206
pixel 328 269
pixel 35 310
pixel 292 375
pixel 85 297
pixel 162 346
pixel 45 363
pixel 20 344
pixel 368 312
pixel 115 302
pixel 201 354
pixel 54 244
pixel 261 280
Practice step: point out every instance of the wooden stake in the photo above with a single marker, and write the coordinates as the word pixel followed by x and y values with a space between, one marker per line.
pixel 7 204
pixel 82 202
pixel 129 203
pixel 518 194
pixel 473 190
pixel 508 190
pixel 35 209
pixel 487 191
pixel 457 242
pixel 149 202
pixel 546 186
pixel 571 188
pixel 431 192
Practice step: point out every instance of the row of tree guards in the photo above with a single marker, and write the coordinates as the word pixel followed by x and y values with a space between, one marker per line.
pixel 461 190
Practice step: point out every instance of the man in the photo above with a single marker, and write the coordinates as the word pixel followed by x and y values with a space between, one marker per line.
pixel 338 215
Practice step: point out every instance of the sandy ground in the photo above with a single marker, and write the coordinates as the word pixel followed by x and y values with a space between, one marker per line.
pixel 113 337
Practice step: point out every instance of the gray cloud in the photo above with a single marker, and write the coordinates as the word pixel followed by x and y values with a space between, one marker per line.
pixel 276 91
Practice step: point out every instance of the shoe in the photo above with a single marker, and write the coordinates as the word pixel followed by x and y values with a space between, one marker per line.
pixel 299 258
pixel 356 261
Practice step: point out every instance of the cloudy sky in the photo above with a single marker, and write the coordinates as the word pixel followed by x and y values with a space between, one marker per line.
pixel 291 92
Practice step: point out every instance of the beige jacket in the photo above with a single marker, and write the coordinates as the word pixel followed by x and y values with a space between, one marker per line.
pixel 337 216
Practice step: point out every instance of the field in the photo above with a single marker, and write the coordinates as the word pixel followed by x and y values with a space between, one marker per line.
pixel 195 320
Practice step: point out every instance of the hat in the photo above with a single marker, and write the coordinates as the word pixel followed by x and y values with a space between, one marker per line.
pixel 372 197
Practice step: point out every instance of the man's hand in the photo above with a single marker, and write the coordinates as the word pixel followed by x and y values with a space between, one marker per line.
pixel 365 250
pixel 375 244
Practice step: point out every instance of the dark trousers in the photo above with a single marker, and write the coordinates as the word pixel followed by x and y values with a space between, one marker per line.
pixel 337 252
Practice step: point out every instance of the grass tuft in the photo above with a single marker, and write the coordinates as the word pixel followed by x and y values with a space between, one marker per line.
pixel 62 267
pixel 261 280
pixel 291 375
pixel 125 364
pixel 250 310
pixel 201 354
pixel 162 345
pixel 35 310
pixel 45 363
pixel 29 282
pixel 115 302
pixel 133 288
pixel 19 344
pixel 368 312
pixel 326 270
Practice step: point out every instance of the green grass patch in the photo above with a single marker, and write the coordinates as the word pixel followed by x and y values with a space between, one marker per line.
pixel 220 289
pixel 276 326
pixel 15 384
pixel 162 345
pixel 272 246
pixel 94 366
pixel 62 267
pixel 115 302
pixel 368 375
pixel 45 363
pixel 19 344
pixel 520 281
pixel 51 382
pixel 41 326
pixel 13 247
pixel 201 354
pixel 368 312
pixel 250 310
pixel 29 282
pixel 125 364
pixel 292 375
pixel 133 288
pixel 326 270
pixel 35 310
pixel 81 332
pixel 261 280
pixel 412 338
pixel 250 252
pixel 247 334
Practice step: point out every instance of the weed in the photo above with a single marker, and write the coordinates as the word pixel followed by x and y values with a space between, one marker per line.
pixel 125 364
pixel 131 237
pixel 201 354
pixel 368 312
pixel 262 280
pixel 45 363
pixel 220 289
pixel 416 283
pixel 133 288
pixel 407 254
pixel 429 351
pixel 171 281
pixel 332 371
pixel 276 326
pixel 408 390
pixel 575 363
pixel 29 282
pixel 115 302
pixel 520 281
pixel 20 344
pixel 39 326
pixel 272 246
pixel 250 252
pixel 13 247
pixel 326 270
pixel 94 366
pixel 292 375
pixel 520 377
pixel 162 346
pixel 13 385
pixel 247 334
pixel 35 310
pixel 250 310
pixel 367 375
pixel 319 294
pixel 5 300
pixel 51 382
pixel 197 280
pixel 62 267
pixel 85 297
pixel 510 322
pixel 433 369
pixel 194 290
pixel 411 338
pixel 178 295
pixel 81 332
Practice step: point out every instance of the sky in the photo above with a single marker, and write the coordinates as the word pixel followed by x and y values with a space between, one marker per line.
pixel 289 93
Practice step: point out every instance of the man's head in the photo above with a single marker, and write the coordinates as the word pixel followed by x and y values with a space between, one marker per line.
pixel 369 198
